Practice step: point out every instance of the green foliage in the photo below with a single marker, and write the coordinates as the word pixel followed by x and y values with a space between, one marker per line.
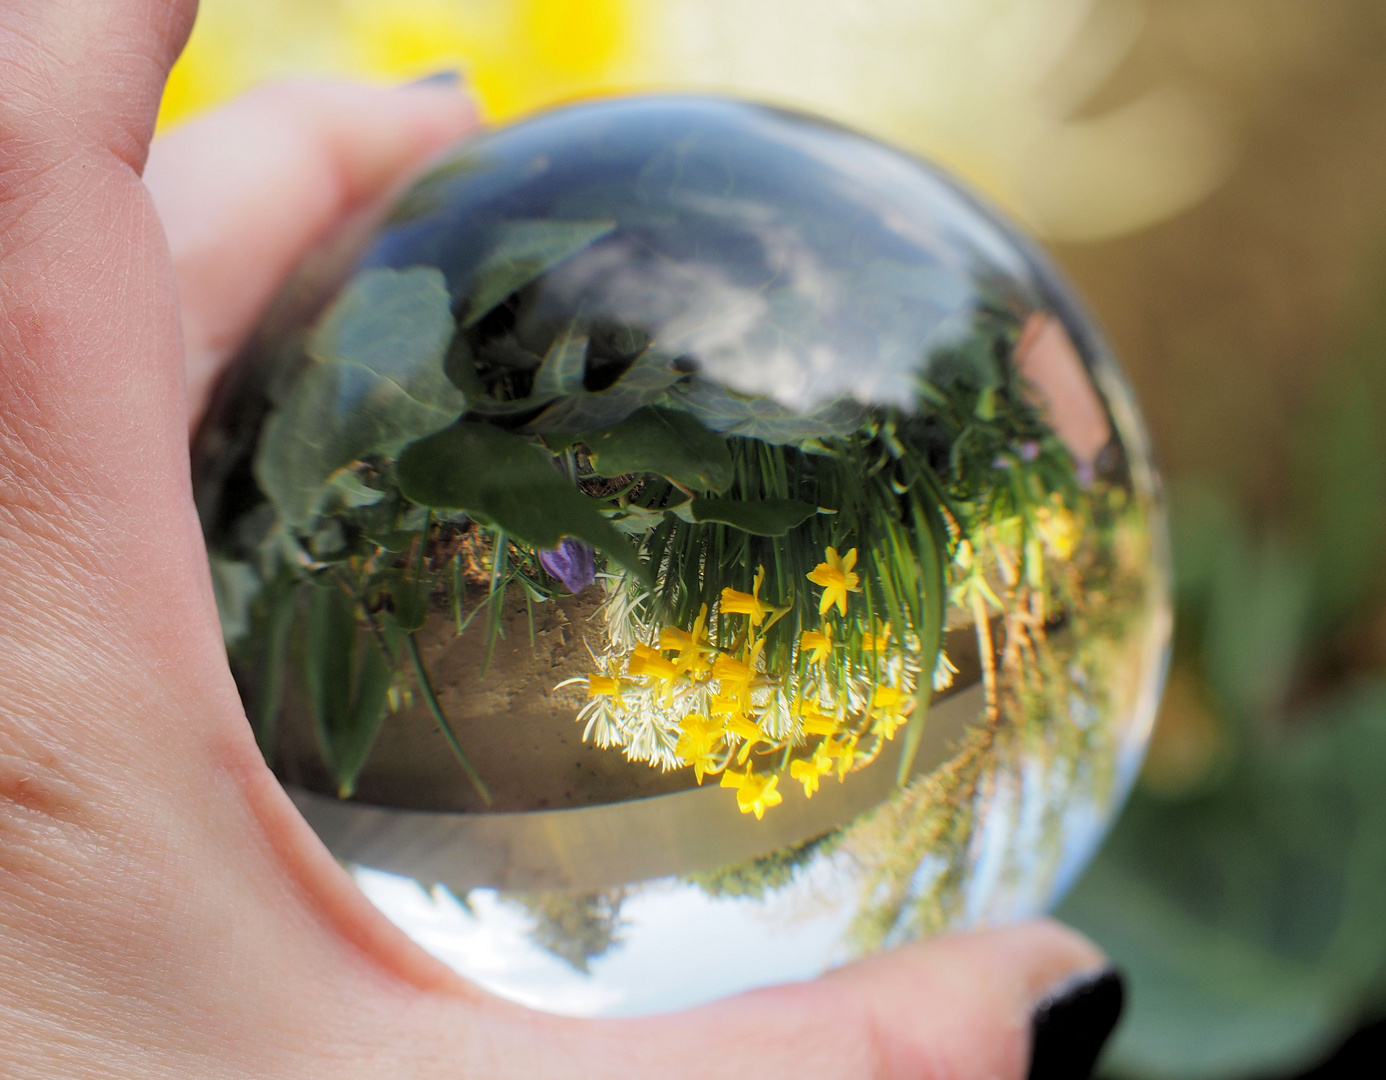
pixel 755 878
pixel 759 517
pixel 522 250
pixel 348 680
pixel 575 927
pixel 510 484
pixel 405 428
pixel 670 444
pixel 730 413
pixel 374 384
pixel 647 380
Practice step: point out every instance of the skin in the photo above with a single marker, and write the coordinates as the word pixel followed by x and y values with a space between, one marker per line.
pixel 164 911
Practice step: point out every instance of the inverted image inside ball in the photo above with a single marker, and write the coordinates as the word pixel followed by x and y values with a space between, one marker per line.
pixel 680 546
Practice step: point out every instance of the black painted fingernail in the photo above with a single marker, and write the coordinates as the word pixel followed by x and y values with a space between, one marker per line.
pixel 1072 1023
pixel 452 77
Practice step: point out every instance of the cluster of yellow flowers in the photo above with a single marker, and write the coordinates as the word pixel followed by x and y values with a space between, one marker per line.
pixel 719 706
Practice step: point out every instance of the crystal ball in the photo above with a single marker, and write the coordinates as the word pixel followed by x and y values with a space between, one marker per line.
pixel 681 545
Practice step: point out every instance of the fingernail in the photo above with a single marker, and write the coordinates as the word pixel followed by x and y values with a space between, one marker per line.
pixel 1072 1023
pixel 447 79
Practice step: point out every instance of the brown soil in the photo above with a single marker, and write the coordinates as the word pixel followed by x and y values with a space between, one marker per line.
pixel 517 730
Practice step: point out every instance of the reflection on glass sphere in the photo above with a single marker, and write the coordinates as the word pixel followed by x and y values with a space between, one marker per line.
pixel 683 546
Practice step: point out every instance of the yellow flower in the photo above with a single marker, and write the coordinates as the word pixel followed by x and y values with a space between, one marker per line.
pixel 814 720
pixel 672 639
pixel 720 705
pixel 604 686
pixel 732 778
pixel 647 661
pixel 808 772
pixel 1058 529
pixel 748 604
pixel 820 641
pixel 878 641
pixel 696 743
pixel 844 752
pixel 691 646
pixel 757 792
pixel 889 698
pixel 743 727
pixel 735 677
pixel 891 707
pixel 837 580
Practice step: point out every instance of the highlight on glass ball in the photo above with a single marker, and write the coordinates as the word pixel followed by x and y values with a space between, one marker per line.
pixel 682 546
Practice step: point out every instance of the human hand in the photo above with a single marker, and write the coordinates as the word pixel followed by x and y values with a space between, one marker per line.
pixel 164 911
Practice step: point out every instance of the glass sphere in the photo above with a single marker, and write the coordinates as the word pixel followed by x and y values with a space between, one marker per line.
pixel 681 546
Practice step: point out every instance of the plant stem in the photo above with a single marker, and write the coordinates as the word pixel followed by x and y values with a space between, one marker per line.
pixel 431 699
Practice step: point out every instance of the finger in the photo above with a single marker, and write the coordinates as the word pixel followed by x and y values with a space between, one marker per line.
pixel 98 544
pixel 246 191
pixel 958 1007
pixel 84 76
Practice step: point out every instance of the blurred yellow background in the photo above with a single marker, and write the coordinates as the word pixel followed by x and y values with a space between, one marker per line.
pixel 997 89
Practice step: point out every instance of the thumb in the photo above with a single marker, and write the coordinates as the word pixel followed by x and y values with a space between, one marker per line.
pixel 85 75
pixel 99 546
pixel 1032 1001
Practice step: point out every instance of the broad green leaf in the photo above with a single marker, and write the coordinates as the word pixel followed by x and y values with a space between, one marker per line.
pixel 561 371
pixel 730 413
pixel 395 540
pixel 408 594
pixel 278 604
pixel 396 323
pixel 524 250
pixel 761 517
pixel 351 493
pixel 348 681
pixel 647 380
pixel 509 482
pixel 429 194
pixel 662 441
pixel 376 385
pixel 460 367
pixel 635 520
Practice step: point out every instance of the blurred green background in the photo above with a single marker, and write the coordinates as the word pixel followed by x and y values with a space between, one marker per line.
pixel 1212 175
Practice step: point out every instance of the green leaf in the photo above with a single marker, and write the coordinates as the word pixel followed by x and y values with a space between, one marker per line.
pixel 351 493
pixel 460 367
pixel 396 540
pixel 408 594
pixel 647 380
pixel 376 385
pixel 348 681
pixel 672 444
pixel 523 250
pixel 279 608
pixel 510 483
pixel 561 371
pixel 730 413
pixel 761 517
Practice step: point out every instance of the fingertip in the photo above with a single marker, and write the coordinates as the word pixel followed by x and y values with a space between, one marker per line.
pixel 964 1004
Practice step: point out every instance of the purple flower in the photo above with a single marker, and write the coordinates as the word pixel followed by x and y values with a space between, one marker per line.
pixel 572 562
